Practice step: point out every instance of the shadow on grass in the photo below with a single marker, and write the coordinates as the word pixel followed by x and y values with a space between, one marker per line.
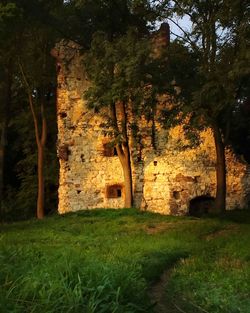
pixel 236 216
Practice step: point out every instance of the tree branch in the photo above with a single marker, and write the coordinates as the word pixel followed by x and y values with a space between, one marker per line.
pixel 31 105
pixel 189 40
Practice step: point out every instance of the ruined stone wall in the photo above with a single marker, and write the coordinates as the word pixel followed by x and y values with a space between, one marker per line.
pixel 165 179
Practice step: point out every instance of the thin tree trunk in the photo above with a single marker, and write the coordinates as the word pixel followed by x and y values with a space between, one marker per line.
pixel 124 157
pixel 124 152
pixel 40 172
pixel 220 199
pixel 128 183
pixel 3 139
pixel 40 141
pixel 2 158
pixel 40 165
pixel 40 158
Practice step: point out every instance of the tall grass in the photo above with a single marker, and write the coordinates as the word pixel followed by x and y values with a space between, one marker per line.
pixel 217 277
pixel 104 261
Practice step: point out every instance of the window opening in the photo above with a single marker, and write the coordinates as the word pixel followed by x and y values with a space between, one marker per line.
pixel 109 150
pixel 114 191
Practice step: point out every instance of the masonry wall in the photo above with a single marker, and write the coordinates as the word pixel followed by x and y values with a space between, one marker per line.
pixel 165 179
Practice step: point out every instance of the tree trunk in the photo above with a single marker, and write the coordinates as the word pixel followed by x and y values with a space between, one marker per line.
pixel 40 142
pixel 2 157
pixel 123 151
pixel 220 199
pixel 40 173
pixel 3 139
pixel 124 157
pixel 40 165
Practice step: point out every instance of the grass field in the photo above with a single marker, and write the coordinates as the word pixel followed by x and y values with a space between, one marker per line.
pixel 107 260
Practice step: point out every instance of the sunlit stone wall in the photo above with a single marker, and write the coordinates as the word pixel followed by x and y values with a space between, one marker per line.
pixel 165 179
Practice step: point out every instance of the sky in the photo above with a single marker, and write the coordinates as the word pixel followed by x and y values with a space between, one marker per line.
pixel 184 23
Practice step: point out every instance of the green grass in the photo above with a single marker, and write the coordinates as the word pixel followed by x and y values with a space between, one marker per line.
pixel 104 261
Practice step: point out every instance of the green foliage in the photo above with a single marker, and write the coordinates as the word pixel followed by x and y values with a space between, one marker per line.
pixel 83 18
pixel 104 261
pixel 123 60
pixel 10 22
pixel 210 62
pixel 26 39
pixel 135 79
pixel 218 60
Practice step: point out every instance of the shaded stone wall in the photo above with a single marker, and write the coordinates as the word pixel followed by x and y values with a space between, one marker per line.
pixel 165 179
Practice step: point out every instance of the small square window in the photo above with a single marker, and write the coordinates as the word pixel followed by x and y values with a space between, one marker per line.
pixel 109 150
pixel 114 191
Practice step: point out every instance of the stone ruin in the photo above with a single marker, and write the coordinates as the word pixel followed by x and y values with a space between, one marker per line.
pixel 166 178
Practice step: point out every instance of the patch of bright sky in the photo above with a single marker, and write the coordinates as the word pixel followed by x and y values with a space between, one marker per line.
pixel 184 25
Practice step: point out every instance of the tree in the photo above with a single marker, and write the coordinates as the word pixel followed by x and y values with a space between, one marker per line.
pixel 123 61
pixel 38 76
pixel 25 61
pixel 118 48
pixel 5 92
pixel 217 41
pixel 9 13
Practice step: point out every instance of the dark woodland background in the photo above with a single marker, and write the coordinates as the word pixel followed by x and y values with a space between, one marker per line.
pixel 28 32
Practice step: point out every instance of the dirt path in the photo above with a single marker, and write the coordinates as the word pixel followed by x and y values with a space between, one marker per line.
pixel 157 294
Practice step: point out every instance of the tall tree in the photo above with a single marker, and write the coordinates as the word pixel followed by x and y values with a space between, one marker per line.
pixel 38 75
pixel 25 61
pixel 120 51
pixel 217 40
pixel 123 61
pixel 9 23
